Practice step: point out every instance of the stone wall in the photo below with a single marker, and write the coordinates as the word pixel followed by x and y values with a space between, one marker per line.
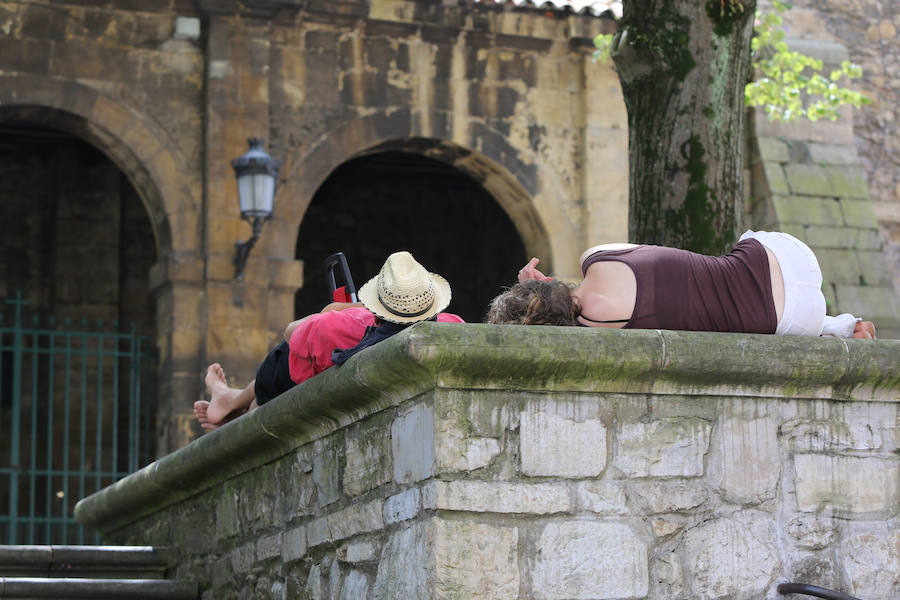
pixel 506 462
pixel 809 180
pixel 170 90
pixel 869 31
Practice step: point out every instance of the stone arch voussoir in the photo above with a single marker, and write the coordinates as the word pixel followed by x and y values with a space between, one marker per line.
pixel 132 141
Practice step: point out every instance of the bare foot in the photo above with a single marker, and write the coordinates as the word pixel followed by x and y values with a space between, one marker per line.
pixel 201 407
pixel 223 400
pixel 864 330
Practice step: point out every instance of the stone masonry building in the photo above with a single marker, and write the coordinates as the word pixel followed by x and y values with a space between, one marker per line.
pixel 474 134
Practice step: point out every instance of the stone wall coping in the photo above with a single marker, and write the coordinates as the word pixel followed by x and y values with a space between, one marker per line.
pixel 476 356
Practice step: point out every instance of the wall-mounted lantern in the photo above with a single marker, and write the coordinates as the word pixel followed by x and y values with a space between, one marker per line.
pixel 256 173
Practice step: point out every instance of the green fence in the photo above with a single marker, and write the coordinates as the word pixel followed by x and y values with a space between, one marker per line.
pixel 76 414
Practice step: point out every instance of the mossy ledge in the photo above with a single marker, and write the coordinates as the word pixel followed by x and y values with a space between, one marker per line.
pixel 474 356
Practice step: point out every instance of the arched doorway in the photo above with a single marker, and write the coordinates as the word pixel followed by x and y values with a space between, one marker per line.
pixel 76 370
pixel 393 200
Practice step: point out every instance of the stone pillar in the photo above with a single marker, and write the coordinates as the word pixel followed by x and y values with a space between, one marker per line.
pixel 244 318
pixel 176 283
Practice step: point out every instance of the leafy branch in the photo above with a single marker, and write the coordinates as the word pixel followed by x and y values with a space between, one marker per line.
pixel 790 84
pixel 788 78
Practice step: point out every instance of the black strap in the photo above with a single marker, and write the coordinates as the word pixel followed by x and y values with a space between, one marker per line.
pixel 596 321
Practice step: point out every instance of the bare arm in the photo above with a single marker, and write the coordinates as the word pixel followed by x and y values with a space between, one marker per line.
pixel 328 308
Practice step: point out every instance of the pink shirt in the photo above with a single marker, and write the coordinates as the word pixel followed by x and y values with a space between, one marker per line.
pixel 314 339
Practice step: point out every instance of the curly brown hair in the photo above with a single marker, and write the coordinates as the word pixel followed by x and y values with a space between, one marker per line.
pixel 534 302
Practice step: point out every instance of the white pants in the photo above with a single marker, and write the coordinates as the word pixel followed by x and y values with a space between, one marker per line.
pixel 804 303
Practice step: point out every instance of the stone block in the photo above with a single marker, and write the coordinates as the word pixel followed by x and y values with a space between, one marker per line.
pixel 293 544
pixel 775 178
pixel 412 444
pixel 496 497
pixel 602 497
pixel 875 303
pixel 812 531
pixel 823 131
pixel 449 559
pixel 360 551
pixel 848 182
pixel 286 274
pixel 27 56
pixel 269 547
pixel 317 532
pixel 833 154
pixel 846 483
pixel 186 28
pixel 863 426
pixel 839 265
pixel 355 586
pixel 402 506
pixel 818 236
pixel 749 459
pixel 552 445
pixel 808 180
pixel 458 422
pixel 368 462
pixel 326 469
pixel 795 229
pixel 808 210
pixel 873 268
pixel 356 519
pixel 773 150
pixel 242 558
pixel 859 213
pixel 870 553
pixel 404 568
pixel 731 557
pixel 663 448
pixel 475 560
pixel 40 23
pixel 669 496
pixel 226 515
pixel 589 559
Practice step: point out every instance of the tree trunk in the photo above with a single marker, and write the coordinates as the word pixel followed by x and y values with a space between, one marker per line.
pixel 683 65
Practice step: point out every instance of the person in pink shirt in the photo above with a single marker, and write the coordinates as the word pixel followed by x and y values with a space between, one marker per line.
pixel 403 293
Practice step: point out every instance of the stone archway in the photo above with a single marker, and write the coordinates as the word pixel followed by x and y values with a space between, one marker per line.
pixel 512 183
pixel 76 250
pixel 170 187
pixel 386 200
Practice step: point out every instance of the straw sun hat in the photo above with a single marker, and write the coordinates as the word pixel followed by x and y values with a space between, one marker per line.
pixel 404 292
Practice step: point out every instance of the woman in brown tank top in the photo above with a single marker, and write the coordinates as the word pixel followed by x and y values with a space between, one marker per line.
pixel 655 287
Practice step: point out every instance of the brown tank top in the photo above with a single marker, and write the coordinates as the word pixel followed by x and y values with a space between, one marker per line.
pixel 677 289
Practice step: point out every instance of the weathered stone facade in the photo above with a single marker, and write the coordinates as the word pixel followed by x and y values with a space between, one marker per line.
pixel 169 91
pixel 550 463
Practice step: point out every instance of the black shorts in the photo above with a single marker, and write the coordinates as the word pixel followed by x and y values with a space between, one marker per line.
pixel 273 377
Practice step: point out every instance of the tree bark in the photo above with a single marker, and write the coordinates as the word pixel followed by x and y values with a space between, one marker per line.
pixel 683 65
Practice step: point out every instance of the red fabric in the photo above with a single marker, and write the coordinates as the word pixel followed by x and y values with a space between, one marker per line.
pixel 314 339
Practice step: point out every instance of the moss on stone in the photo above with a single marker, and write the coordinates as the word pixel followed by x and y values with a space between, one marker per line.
pixel 586 362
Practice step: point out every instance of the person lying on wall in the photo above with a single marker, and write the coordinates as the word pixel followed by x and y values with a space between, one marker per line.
pixel 770 282
pixel 403 293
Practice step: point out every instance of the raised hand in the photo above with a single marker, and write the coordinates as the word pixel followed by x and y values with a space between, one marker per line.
pixel 530 271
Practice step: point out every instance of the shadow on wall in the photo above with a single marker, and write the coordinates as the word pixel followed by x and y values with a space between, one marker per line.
pixel 381 203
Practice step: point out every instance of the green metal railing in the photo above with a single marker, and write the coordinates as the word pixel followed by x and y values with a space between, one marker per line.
pixel 75 415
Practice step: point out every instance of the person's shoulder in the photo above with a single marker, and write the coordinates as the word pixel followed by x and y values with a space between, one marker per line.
pixel 449 318
pixel 356 314
pixel 605 247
